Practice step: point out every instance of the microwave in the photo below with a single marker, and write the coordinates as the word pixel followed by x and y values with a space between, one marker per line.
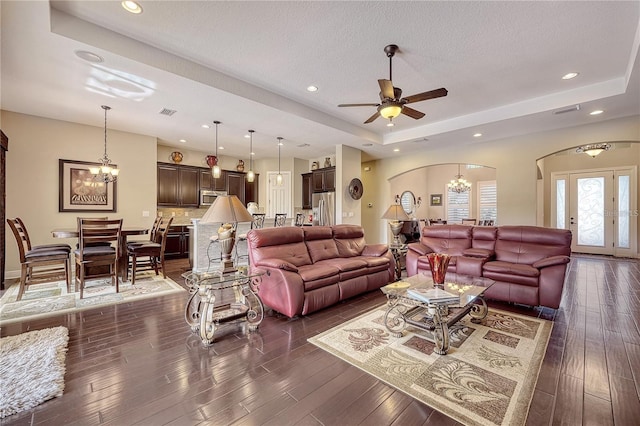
pixel 208 197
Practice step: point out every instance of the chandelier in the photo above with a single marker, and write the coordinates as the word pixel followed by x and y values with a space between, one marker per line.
pixel 595 149
pixel 459 185
pixel 106 172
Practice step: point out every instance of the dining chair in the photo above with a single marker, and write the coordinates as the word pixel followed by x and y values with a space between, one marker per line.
pixel 256 223
pixel 437 222
pixel 147 256
pixel 152 233
pixel 93 252
pixel 299 219
pixel 468 221
pixel 281 219
pixel 41 263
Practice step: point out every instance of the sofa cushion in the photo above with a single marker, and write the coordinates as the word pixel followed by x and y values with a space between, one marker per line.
pixel 322 249
pixel 449 239
pixel 529 244
pixel 349 240
pixel 286 243
pixel 484 237
pixel 318 275
pixel 349 267
pixel 511 268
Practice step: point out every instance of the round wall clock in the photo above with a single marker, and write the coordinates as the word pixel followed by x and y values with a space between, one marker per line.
pixel 355 188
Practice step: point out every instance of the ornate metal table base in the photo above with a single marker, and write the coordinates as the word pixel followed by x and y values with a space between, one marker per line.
pixel 435 318
pixel 205 318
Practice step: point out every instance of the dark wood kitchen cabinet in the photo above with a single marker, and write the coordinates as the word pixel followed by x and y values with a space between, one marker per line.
pixel 178 186
pixel 177 245
pixel 251 190
pixel 236 185
pixel 207 181
pixel 307 191
pixel 324 180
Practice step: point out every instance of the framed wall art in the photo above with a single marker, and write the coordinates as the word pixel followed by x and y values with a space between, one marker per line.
pixel 436 199
pixel 79 192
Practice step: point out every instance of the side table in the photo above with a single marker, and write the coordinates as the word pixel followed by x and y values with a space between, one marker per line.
pixel 217 299
pixel 399 252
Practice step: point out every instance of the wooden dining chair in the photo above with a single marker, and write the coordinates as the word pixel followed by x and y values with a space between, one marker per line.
pixel 152 233
pixel 256 223
pixel 299 219
pixel 41 263
pixel 280 220
pixel 468 221
pixel 149 255
pixel 93 252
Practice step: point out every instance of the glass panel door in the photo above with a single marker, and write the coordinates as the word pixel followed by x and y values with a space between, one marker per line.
pixel 591 207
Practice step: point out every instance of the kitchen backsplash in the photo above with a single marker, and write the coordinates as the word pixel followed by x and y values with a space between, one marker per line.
pixel 182 216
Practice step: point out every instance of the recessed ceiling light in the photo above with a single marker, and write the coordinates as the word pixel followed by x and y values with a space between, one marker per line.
pixel 477 135
pixel 205 126
pixel 132 6
pixel 89 56
pixel 570 75
pixel 396 150
pixel 367 144
pixel 183 140
pixel 312 88
pixel 596 112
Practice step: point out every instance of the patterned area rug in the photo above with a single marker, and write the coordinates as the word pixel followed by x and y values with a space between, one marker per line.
pixel 32 367
pixel 42 300
pixel 487 377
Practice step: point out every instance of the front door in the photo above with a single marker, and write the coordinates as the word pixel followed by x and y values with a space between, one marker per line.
pixel 590 207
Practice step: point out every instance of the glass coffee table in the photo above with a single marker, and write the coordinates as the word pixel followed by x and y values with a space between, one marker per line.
pixel 434 314
pixel 217 299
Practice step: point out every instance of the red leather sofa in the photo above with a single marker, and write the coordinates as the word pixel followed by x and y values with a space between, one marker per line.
pixel 527 263
pixel 312 267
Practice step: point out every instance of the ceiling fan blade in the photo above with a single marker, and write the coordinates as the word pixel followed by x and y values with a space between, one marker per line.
pixel 386 88
pixel 357 105
pixel 412 112
pixel 373 117
pixel 438 93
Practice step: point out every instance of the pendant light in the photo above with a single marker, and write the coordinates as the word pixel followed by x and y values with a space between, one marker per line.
pixel 105 172
pixel 279 176
pixel 215 170
pixel 251 176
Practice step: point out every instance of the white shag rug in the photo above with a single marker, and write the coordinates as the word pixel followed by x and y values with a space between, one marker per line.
pixel 32 367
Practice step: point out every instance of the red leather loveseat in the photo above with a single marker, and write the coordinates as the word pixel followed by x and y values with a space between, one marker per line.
pixel 528 263
pixel 312 267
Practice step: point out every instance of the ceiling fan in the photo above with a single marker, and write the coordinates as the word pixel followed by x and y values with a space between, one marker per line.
pixel 392 104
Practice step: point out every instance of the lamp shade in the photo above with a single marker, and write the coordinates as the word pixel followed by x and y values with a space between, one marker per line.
pixel 395 212
pixel 226 209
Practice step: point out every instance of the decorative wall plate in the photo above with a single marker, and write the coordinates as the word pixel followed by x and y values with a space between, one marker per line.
pixel 355 188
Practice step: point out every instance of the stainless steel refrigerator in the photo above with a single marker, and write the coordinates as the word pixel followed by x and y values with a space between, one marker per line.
pixel 324 208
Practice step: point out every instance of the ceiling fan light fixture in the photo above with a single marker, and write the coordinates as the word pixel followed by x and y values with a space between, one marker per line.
pixel 390 111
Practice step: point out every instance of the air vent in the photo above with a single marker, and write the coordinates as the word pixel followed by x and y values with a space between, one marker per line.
pixel 569 109
pixel 167 111
pixel 303 145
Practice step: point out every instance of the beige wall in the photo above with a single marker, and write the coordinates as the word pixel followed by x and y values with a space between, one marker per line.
pixel 514 160
pixel 349 160
pixel 36 144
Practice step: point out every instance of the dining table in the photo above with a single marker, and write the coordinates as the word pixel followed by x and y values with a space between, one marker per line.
pixel 123 259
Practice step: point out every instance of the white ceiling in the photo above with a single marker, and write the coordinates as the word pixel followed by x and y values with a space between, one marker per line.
pixel 248 64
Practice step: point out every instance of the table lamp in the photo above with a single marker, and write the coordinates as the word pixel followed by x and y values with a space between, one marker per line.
pixel 228 211
pixel 396 216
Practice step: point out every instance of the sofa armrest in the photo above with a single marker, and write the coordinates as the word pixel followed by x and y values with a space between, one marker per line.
pixel 478 252
pixel 419 248
pixel 551 261
pixel 375 250
pixel 277 264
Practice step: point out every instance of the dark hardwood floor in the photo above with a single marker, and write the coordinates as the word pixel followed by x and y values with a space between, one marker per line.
pixel 139 363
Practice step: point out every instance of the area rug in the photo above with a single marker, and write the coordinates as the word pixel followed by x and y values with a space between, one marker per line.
pixel 31 368
pixel 42 300
pixel 487 377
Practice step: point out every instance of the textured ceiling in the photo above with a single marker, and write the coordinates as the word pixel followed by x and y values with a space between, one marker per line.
pixel 247 64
